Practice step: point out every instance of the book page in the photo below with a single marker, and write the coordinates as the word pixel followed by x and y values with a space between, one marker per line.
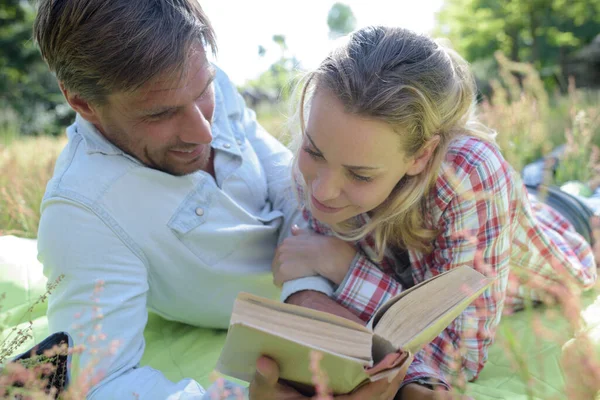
pixel 382 310
pixel 334 338
pixel 418 317
pixel 302 311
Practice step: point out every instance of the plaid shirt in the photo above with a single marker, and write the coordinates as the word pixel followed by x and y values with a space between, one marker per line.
pixel 476 196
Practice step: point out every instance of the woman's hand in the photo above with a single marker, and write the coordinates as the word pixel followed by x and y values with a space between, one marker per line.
pixel 307 254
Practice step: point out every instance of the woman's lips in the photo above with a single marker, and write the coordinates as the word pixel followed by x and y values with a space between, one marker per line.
pixel 322 207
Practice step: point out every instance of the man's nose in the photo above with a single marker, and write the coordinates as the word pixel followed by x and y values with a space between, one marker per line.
pixel 197 128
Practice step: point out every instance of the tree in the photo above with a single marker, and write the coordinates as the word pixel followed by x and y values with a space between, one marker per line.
pixel 276 82
pixel 26 86
pixel 340 20
pixel 541 32
pixel 261 50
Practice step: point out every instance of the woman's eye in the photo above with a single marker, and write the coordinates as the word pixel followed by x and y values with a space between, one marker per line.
pixel 360 178
pixel 313 154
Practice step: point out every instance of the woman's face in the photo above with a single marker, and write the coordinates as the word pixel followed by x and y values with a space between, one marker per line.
pixel 350 164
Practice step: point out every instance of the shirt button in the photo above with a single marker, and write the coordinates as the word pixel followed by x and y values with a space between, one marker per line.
pixel 239 142
pixel 227 145
pixel 199 211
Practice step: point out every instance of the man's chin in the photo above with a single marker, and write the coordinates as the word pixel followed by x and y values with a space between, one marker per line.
pixel 182 170
pixel 179 169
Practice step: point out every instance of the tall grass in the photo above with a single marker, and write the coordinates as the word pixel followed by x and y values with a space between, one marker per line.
pixel 530 122
pixel 26 165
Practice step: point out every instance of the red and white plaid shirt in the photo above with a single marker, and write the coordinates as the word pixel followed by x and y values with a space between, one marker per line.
pixel 476 196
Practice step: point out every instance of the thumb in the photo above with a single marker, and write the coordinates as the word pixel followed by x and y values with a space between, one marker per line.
pixel 267 371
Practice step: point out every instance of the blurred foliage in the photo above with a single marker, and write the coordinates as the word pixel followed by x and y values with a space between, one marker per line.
pixel 340 20
pixel 277 82
pixel 30 99
pixel 543 33
pixel 530 122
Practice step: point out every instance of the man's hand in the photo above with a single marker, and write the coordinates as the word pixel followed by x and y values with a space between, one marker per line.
pixel 307 254
pixel 321 302
pixel 264 386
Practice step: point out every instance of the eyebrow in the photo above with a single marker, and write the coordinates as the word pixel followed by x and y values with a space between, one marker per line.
pixel 162 109
pixel 352 167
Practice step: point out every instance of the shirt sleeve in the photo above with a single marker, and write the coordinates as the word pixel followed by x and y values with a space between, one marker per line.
pixel 365 288
pixel 101 303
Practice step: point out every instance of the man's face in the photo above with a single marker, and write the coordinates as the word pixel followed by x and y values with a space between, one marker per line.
pixel 166 124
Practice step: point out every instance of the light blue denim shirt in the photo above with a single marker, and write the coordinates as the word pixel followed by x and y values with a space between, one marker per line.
pixel 128 238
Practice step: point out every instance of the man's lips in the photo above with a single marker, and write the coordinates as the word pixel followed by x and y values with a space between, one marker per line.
pixel 188 153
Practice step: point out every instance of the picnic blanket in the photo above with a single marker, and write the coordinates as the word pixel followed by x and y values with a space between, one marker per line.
pixel 524 362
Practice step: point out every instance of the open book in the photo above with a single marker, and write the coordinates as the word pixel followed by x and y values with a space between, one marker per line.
pixel 351 354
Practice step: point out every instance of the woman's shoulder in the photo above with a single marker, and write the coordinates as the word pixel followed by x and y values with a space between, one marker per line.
pixel 474 161
pixel 468 154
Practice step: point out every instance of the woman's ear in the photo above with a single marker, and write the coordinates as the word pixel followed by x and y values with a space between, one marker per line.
pixel 419 162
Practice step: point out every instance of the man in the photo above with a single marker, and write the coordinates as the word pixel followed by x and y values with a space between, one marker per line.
pixel 168 196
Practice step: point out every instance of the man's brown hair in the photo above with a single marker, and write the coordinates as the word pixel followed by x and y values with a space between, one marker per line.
pixel 97 47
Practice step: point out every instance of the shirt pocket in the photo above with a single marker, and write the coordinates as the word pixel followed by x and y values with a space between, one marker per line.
pixel 251 170
pixel 211 225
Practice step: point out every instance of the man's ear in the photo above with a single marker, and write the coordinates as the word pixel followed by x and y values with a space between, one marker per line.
pixel 81 106
pixel 419 162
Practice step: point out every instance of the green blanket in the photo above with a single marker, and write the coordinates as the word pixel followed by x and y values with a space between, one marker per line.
pixel 523 362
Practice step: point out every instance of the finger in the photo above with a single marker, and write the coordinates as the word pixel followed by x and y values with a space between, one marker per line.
pixel 277 279
pixel 267 371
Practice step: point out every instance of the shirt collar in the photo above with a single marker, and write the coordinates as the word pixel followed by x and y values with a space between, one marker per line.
pixel 94 140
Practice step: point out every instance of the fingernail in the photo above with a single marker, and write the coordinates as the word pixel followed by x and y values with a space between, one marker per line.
pixel 261 373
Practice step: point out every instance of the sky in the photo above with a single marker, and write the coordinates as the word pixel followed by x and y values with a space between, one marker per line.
pixel 241 26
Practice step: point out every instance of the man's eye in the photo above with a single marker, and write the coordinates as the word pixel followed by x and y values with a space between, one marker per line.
pixel 161 115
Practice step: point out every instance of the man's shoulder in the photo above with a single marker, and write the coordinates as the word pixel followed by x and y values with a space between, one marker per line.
pixel 81 175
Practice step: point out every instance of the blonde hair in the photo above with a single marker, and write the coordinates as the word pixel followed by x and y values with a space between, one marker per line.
pixel 421 89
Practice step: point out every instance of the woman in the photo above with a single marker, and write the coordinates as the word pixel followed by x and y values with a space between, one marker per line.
pixel 394 167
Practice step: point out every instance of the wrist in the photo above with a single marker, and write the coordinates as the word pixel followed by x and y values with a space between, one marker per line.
pixel 344 255
pixel 303 297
